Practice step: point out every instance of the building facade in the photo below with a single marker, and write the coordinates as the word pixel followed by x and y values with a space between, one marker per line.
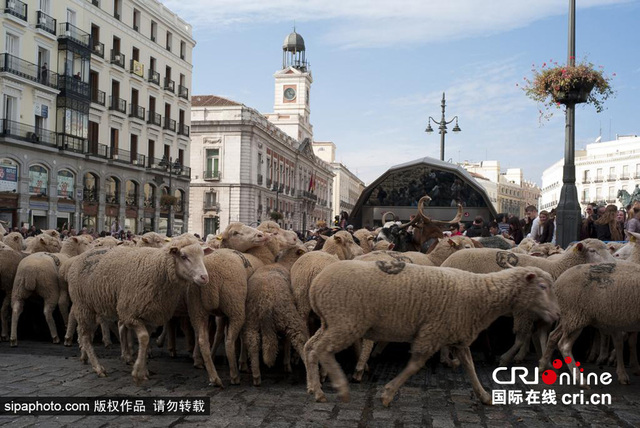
pixel 509 191
pixel 602 170
pixel 347 187
pixel 251 167
pixel 92 115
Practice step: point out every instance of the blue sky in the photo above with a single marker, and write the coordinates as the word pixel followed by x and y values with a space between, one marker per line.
pixel 380 68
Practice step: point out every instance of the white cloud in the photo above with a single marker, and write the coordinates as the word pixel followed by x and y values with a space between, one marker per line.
pixel 379 23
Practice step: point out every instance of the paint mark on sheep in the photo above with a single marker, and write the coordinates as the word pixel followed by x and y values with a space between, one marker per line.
pixel 245 262
pixel 91 261
pixel 392 268
pixel 506 259
pixel 600 274
pixel 398 257
pixel 56 260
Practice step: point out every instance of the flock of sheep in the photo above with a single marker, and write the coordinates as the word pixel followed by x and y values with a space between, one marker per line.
pixel 264 287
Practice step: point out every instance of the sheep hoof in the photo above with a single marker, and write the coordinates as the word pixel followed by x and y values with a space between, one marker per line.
pixel 4 338
pixel 257 381
pixel 198 364
pixel 320 397
pixel 159 343
pixel 216 382
pixel 101 371
pixel 128 359
pixel 357 376
pixel 13 343
pixel 56 340
pixel 235 380
pixel 345 397
pixel 485 398
pixel 68 342
pixel 387 398
pixel 455 363
pixel 624 380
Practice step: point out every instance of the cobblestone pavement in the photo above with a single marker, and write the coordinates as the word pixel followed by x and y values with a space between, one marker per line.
pixel 441 400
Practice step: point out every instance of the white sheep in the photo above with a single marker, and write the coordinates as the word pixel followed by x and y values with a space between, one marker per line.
pixel 270 309
pixel 152 240
pixel 399 302
pixel 138 287
pixel 605 296
pixel 15 241
pixel 38 274
pixel 366 238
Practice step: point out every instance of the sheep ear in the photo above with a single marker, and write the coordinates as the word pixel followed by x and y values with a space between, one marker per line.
pixel 477 244
pixel 120 243
pixel 530 276
pixel 451 242
pixel 579 246
pixel 392 246
pixel 324 237
pixel 300 252
pixel 145 239
pixel 174 250
pixel 207 250
pixel 536 254
pixel 338 239
pixel 74 239
pixel 42 240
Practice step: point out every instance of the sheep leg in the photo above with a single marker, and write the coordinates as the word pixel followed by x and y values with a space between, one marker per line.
pixel 106 332
pixel 379 348
pixel 565 345
pixel 86 327
pixel 17 306
pixel 5 315
pixel 163 335
pixel 287 356
pixel 464 354
pixel 507 357
pixel 524 348
pixel 552 343
pixel 171 337
pixel 365 353
pixel 330 342
pixel 71 329
pixel 445 358
pixel 49 307
pixel 185 326
pixel 604 348
pixel 244 357
pixel 233 331
pixel 416 362
pixel 63 304
pixel 618 342
pixel 252 345
pixel 269 342
pixel 203 348
pixel 140 372
pixel 633 353
pixel 613 354
pixel 540 337
pixel 311 359
pixel 125 348
pixel 595 345
pixel 221 323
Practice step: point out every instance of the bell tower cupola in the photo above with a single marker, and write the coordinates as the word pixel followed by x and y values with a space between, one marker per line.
pixel 293 52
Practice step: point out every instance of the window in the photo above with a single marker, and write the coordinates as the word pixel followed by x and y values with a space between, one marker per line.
pixel 212 163
pixel 112 190
pixel 625 171
pixel 117 9
pixel 612 193
pixel 587 175
pixel 211 225
pixel 12 45
pixel 182 79
pixel 45 6
pixel 38 180
pixel 210 199
pixel 599 174
pixel 135 54
pixel 152 63
pixel 181 157
pixel 136 19
pixel 183 50
pixel 598 194
pixel 66 181
pixel 149 195
pixel 71 17
pixel 154 32
pixel 10 105
pixel 169 41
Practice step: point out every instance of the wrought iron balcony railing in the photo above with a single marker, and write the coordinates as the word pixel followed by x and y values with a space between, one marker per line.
pixel 46 23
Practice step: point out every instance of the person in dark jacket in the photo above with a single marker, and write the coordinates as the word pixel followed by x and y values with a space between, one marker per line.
pixel 478 228
pixel 547 227
pixel 515 230
pixel 607 226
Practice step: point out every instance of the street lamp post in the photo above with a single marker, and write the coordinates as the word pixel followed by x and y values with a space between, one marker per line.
pixel 442 125
pixel 170 166
pixel 568 213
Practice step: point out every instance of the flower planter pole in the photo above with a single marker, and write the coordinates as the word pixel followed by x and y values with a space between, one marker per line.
pixel 568 213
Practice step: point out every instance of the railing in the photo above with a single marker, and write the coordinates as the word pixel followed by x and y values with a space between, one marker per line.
pixel 598 179
pixel 69 31
pixel 27 70
pixel 155 164
pixel 183 129
pixel 183 92
pixel 154 118
pixel 169 124
pixel 98 97
pixel 611 177
pixel 121 155
pixel 136 111
pixel 138 159
pixel 96 149
pixel 586 180
pixel 185 172
pixel 16 8
pixel 624 176
pixel 169 85
pixel 111 198
pixel 154 77
pixel 309 195
pixel 117 58
pixel 211 175
pixel 21 131
pixel 131 200
pixel 89 195
pixel 71 143
pixel 72 84
pixel 210 205
pixel 117 104
pixel 46 23
pixel 268 182
pixel 98 49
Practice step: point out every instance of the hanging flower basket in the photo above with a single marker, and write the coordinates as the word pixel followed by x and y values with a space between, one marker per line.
pixel 275 215
pixel 554 85
pixel 168 200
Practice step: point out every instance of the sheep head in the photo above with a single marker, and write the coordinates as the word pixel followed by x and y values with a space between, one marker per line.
pixel 535 294
pixel 593 251
pixel 342 245
pixel 241 237
pixel 74 246
pixel 15 241
pixel 152 240
pixel 284 238
pixel 188 254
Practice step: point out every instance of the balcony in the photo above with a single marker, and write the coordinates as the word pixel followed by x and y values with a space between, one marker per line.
pixel 268 182
pixel 137 68
pixel 636 175
pixel 169 85
pixel 154 118
pixel 211 175
pixel 154 163
pixel 136 111
pixel 46 23
pixel 111 198
pixel 598 179
pixel 169 124
pixel 98 49
pixel 73 85
pixel 95 149
pixel 138 159
pixel 210 205
pixel 183 129
pixel 21 131
pixel 309 195
pixel 17 9
pixel 98 97
pixel 89 195
pixel 624 176
pixel 611 177
pixel 121 155
pixel 70 143
pixel 150 202
pixel 68 31
pixel 183 92
pixel 117 104
pixel 154 77
pixel 117 58
pixel 27 70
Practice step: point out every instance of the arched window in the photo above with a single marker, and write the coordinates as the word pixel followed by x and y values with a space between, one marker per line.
pixel 38 180
pixel 8 176
pixel 149 195
pixel 131 195
pixel 179 206
pixel 91 186
pixel 66 184
pixel 112 190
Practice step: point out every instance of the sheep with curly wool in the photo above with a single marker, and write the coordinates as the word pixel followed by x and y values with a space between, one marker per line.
pixel 38 274
pixel 399 302
pixel 366 238
pixel 270 309
pixel 15 241
pixel 486 260
pixel 138 287
pixel 152 240
pixel 605 296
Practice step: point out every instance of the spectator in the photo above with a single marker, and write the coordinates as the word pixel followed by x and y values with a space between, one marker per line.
pixel 607 226
pixel 494 229
pixel 547 228
pixel 456 229
pixel 588 230
pixel 465 226
pixel 44 74
pixel 503 223
pixel 535 230
pixel 478 228
pixel 552 217
pixel 531 214
pixel 634 222
pixel 621 218
pixel 515 230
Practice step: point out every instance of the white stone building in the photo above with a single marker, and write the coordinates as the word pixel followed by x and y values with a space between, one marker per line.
pixel 347 187
pixel 94 95
pixel 602 169
pixel 509 191
pixel 248 166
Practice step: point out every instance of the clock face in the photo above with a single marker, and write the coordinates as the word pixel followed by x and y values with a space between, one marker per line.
pixel 290 94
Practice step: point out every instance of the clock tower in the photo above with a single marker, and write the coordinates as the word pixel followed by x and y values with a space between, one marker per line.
pixel 292 85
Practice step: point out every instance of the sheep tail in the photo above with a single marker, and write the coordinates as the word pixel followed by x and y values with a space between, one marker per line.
pixel 269 343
